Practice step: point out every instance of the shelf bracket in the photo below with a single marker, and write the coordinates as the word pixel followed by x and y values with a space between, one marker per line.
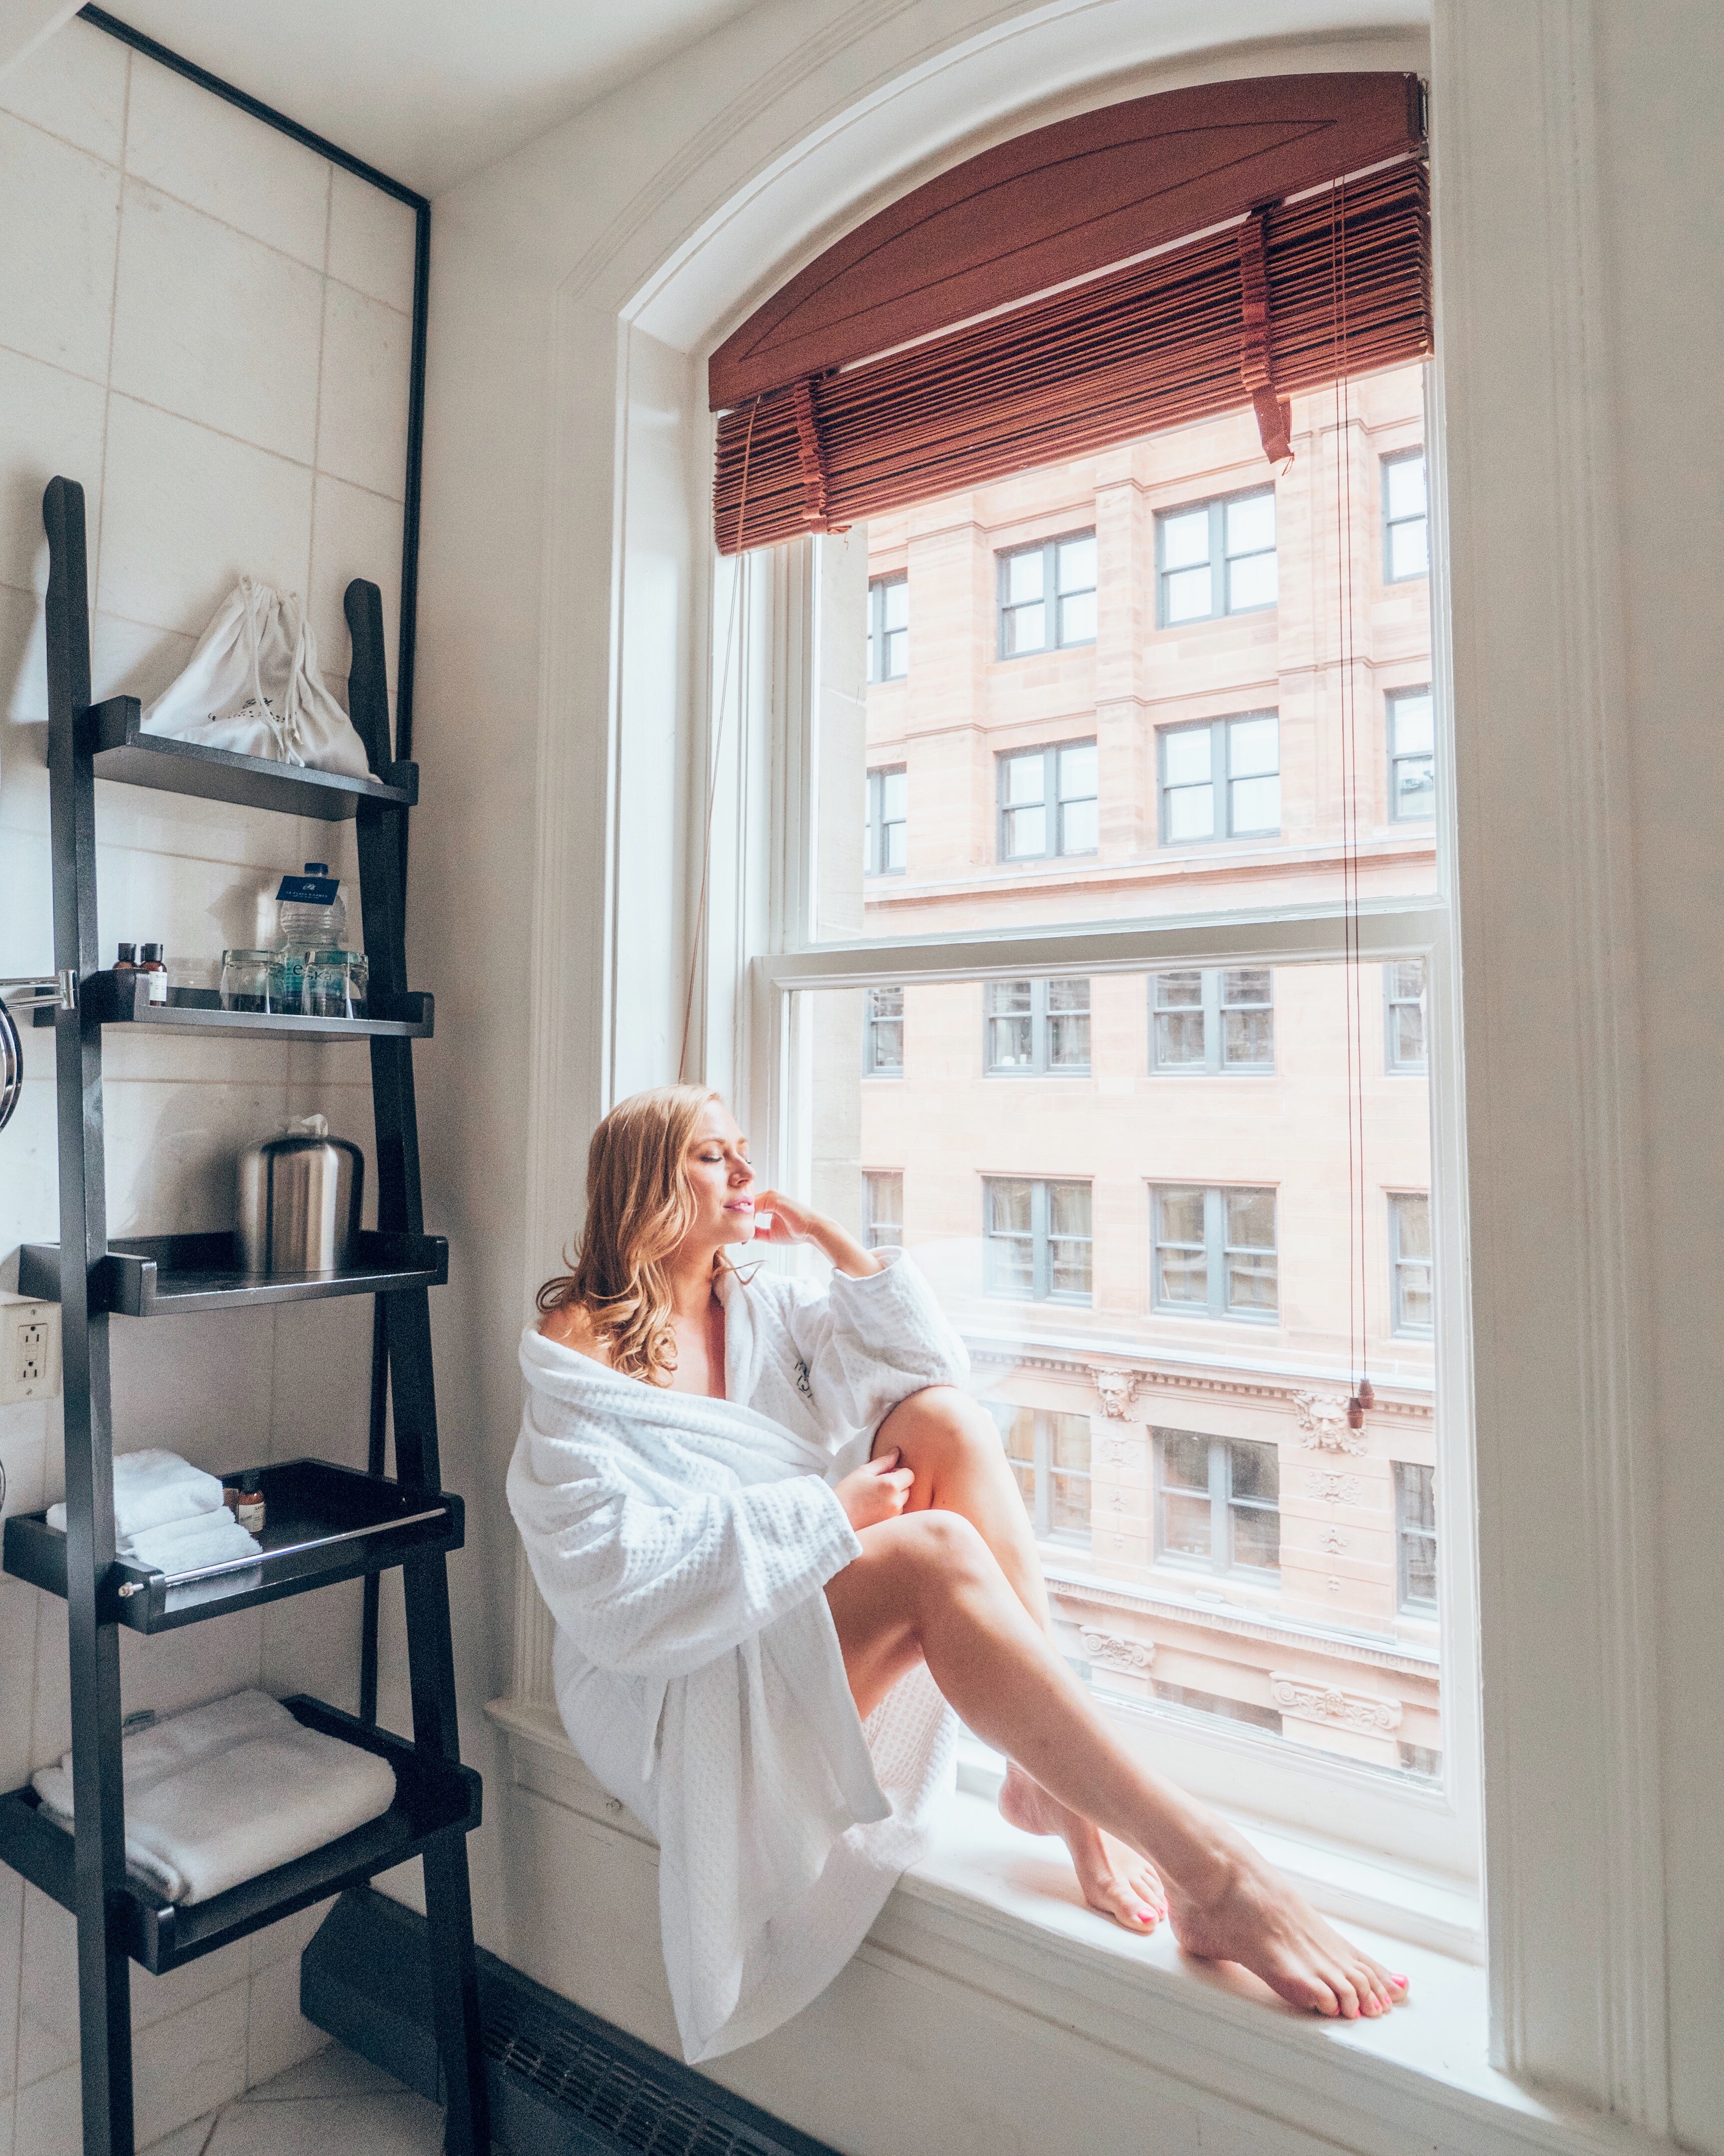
pixel 49 991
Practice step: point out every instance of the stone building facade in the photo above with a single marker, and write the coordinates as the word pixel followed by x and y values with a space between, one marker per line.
pixel 1122 688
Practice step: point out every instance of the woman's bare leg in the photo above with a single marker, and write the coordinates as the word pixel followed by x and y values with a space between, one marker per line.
pixel 927 1587
pixel 952 1444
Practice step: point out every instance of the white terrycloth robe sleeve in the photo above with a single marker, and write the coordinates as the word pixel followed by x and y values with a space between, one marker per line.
pixel 870 1343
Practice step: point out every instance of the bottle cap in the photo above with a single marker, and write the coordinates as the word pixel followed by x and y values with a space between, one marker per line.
pixel 152 952
pixel 126 955
pixel 317 868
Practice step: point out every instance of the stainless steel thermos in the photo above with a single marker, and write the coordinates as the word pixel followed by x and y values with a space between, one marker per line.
pixel 299 1196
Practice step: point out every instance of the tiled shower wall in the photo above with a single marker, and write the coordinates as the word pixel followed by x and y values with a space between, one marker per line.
pixel 208 327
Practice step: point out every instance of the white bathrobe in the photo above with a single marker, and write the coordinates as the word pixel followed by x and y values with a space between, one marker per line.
pixel 682 1545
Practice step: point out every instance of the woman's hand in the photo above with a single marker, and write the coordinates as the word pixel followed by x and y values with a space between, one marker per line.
pixel 788 1221
pixel 875 1492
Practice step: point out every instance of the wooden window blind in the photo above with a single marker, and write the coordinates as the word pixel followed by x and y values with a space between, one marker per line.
pixel 1281 300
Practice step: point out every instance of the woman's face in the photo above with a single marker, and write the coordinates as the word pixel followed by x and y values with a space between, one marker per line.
pixel 720 1179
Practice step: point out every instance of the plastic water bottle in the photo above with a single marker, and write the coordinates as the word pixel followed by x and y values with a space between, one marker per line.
pixel 313 922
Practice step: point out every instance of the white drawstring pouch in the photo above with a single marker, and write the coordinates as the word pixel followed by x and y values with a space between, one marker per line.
pixel 252 686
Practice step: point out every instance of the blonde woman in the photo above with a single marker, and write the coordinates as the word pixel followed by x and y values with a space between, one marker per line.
pixel 782 1545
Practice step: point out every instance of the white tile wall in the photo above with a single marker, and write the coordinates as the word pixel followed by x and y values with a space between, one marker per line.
pixel 208 327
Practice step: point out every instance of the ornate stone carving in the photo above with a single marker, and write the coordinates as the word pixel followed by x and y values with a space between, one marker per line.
pixel 1328 1703
pixel 1323 1423
pixel 1119 1452
pixel 1117 1389
pixel 1334 1542
pixel 1334 1487
pixel 1115 1652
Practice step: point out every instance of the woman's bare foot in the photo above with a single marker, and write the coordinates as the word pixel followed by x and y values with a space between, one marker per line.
pixel 1256 1919
pixel 1115 1879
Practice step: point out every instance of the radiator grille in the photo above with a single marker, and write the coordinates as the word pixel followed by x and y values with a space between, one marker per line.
pixel 608 2092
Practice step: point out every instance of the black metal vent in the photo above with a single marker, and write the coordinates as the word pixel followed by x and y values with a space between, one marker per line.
pixel 605 2089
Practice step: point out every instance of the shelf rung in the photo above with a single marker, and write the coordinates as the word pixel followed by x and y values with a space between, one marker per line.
pixel 160 1275
pixel 120 750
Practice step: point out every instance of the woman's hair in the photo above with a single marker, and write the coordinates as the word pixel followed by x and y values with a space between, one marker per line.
pixel 638 1209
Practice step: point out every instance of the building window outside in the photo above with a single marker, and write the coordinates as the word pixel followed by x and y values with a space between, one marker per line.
pixel 1047 595
pixel 1050 1454
pixel 1216 558
pixel 1416 1538
pixel 1047 801
pixel 1036 1240
pixel 882 1208
pixel 1036 1027
pixel 886 846
pixel 1406 530
pixel 1218 1019
pixel 1218 1502
pixel 1412 755
pixel 888 629
pixel 1403 1011
pixel 1410 1250
pixel 883 1033
pixel 1221 779
pixel 1214 1252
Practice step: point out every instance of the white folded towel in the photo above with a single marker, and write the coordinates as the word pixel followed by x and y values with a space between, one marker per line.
pixel 186 1545
pixel 217 1796
pixel 151 1487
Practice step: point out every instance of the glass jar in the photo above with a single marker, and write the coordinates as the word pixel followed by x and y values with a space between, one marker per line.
pixel 335 983
pixel 249 980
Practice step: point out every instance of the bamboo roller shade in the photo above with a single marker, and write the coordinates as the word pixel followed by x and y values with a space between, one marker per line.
pixel 1340 277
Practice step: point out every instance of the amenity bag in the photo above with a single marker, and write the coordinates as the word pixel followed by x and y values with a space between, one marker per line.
pixel 252 686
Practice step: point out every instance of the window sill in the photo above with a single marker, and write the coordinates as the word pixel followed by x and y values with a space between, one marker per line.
pixel 994 1913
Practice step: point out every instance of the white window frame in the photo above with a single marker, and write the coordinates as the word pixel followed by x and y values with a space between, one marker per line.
pixel 1583 1992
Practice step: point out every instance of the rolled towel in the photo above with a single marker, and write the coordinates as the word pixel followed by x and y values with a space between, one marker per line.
pixel 219 1794
pixel 150 1488
pixel 188 1545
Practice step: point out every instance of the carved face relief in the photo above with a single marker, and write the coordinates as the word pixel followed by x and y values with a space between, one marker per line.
pixel 1115 1389
pixel 1323 1423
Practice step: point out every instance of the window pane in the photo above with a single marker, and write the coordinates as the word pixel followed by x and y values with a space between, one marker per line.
pixel 1256 806
pixel 894 795
pixel 1179 1041
pixel 1185 538
pixel 1179 991
pixel 1405 477
pixel 888 1045
pixel 1078 771
pixel 1186 1525
pixel 1246 984
pixel 1026 833
pixel 1189 595
pixel 1256 1537
pixel 1253 746
pixel 1023 577
pixel 1248 1038
pixel 1007 998
pixel 1254 1471
pixel 1415 787
pixel 1077 618
pixel 1190 813
pixel 1408 549
pixel 1252 583
pixel 895 845
pixel 897 660
pixel 1069 995
pixel 1077 563
pixel 1250 1220
pixel 1069 1209
pixel 1416 1490
pixel 1409 1036
pixel 1421 1571
pixel 1071 1505
pixel 1415 1296
pixel 1413 719
pixel 1024 778
pixel 1185 1460
pixel 1068 1041
pixel 1180 1216
pixel 897 601
pixel 1011 1265
pixel 1009 1202
pixel 1068 1268
pixel 1069 1439
pixel 1413 1227
pixel 1026 629
pixel 1251 524
pixel 1011 1044
pixel 1078 832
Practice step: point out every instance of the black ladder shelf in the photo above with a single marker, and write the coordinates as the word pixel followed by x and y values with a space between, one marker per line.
pixel 325 1523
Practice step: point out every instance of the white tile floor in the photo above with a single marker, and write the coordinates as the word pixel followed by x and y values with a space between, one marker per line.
pixel 336 2104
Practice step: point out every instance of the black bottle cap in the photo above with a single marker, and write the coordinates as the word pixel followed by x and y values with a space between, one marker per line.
pixel 152 954
pixel 317 868
pixel 126 955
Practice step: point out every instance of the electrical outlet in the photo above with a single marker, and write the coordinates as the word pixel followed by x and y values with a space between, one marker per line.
pixel 29 1349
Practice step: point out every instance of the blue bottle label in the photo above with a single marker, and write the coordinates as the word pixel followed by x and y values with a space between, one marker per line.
pixel 309 891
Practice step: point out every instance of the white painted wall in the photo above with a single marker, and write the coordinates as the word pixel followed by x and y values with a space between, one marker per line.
pixel 207 327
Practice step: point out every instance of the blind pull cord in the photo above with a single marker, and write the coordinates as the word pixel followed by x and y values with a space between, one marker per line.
pixel 1275 416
